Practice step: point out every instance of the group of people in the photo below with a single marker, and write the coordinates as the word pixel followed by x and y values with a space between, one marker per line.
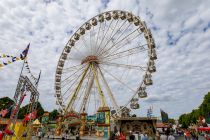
pixel 143 136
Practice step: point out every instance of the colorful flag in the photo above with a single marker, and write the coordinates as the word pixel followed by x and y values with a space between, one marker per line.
pixel 29 116
pixel 23 55
pixel 164 116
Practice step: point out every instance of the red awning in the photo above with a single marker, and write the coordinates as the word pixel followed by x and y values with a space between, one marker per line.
pixel 204 128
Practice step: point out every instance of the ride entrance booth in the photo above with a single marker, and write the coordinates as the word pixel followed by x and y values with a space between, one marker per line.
pixel 103 122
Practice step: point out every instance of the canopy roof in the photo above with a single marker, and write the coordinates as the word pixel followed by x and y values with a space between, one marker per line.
pixel 36 122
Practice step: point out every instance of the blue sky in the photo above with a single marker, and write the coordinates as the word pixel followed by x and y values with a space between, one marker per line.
pixel 181 30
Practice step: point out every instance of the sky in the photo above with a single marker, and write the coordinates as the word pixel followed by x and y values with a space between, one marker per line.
pixel 181 30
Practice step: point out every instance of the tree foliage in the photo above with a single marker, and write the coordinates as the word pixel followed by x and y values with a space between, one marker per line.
pixel 53 115
pixel 24 110
pixel 6 103
pixel 203 110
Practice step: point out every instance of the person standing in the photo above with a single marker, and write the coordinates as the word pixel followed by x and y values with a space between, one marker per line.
pixel 171 137
pixel 163 137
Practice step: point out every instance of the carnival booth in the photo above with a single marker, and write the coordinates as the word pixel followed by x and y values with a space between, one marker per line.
pixel 103 122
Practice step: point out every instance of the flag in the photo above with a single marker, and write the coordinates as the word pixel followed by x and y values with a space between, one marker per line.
pixel 164 116
pixel 23 55
pixel 38 78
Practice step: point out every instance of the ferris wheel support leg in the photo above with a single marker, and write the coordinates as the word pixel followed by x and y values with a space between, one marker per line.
pixel 77 89
pixel 109 91
pixel 98 85
pixel 87 93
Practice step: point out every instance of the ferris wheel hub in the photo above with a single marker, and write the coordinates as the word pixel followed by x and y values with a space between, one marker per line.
pixel 89 59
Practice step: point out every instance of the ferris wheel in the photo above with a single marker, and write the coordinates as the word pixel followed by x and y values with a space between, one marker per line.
pixel 107 62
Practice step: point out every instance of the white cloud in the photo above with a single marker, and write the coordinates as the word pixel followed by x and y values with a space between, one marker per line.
pixel 183 67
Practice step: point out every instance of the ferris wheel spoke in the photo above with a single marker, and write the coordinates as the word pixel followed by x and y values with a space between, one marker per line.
pixel 128 52
pixel 124 66
pixel 121 41
pixel 87 93
pixel 76 104
pixel 97 35
pixel 72 74
pixel 75 59
pixel 68 81
pixel 123 45
pixel 100 45
pixel 74 95
pixel 111 36
pixel 119 34
pixel 79 51
pixel 111 96
pixel 74 81
pixel 117 79
pixel 101 35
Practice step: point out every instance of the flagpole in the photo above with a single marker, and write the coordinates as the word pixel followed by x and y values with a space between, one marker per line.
pixel 17 92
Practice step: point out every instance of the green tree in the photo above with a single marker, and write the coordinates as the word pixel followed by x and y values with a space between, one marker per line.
pixel 24 110
pixel 53 115
pixel 203 110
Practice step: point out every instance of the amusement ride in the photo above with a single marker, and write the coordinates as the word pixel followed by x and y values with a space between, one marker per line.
pixel 105 66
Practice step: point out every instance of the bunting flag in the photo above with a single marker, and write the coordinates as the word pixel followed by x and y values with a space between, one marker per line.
pixel 29 71
pixel 6 56
pixel 164 116
pixel 23 55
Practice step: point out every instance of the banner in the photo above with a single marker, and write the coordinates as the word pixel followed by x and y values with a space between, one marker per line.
pixel 23 56
pixel 14 59
pixel 164 116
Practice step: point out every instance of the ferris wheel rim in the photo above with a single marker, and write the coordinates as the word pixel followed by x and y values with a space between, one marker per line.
pixel 68 48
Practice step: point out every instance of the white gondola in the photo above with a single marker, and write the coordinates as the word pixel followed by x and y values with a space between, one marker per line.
pixel 129 17
pixel 67 49
pixel 152 69
pixel 94 21
pixel 143 26
pixel 122 15
pixel 151 44
pixel 64 56
pixel 148 81
pixel 60 63
pixel 101 18
pixel 81 31
pixel 147 75
pixel 87 26
pixel 142 94
pixel 57 87
pixel 76 36
pixel 136 21
pixel 71 42
pixel 152 54
pixel 115 15
pixel 108 16
pixel 148 34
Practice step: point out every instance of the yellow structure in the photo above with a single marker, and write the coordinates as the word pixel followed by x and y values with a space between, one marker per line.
pixel 83 123
pixel 19 129
pixel 103 122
